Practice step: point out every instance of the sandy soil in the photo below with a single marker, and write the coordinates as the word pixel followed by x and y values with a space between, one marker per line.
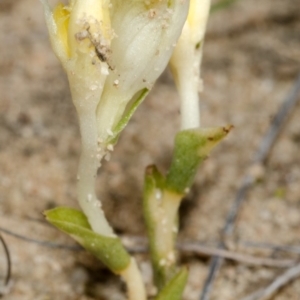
pixel 251 60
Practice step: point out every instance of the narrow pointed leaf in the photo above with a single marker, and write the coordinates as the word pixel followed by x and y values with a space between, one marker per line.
pixel 107 249
pixel 191 148
pixel 174 288
pixel 136 101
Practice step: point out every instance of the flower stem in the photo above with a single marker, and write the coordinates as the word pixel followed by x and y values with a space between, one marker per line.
pixel 87 170
pixel 160 213
pixel 163 241
pixel 135 286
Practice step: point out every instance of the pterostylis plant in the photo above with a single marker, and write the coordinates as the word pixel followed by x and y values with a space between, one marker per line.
pixel 113 51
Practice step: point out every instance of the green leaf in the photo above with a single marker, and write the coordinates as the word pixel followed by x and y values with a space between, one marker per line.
pixel 107 249
pixel 174 288
pixel 135 102
pixel 191 148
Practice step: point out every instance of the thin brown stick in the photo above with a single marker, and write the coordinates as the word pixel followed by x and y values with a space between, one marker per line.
pixel 269 246
pixel 238 257
pixel 41 243
pixel 260 157
pixel 139 245
pixel 283 279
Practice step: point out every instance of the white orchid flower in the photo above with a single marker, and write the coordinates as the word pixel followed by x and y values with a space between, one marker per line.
pixel 112 51
pixel 146 32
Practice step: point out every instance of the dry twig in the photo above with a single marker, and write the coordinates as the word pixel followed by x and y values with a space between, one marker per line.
pixel 274 247
pixel 238 257
pixel 283 279
pixel 41 243
pixel 139 245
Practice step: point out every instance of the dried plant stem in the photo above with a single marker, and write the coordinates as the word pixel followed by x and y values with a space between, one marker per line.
pixel 136 245
pixel 41 243
pixel 235 256
pixel 266 293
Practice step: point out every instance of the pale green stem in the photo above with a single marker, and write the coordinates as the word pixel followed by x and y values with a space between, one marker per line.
pixel 185 64
pixel 167 228
pixel 87 172
pixel 91 156
pixel 189 95
pixel 86 89
pixel 164 208
pixel 135 286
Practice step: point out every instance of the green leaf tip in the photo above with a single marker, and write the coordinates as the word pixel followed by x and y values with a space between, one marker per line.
pixel 107 249
pixel 153 179
pixel 173 290
pixel 133 105
pixel 191 148
pixel 67 215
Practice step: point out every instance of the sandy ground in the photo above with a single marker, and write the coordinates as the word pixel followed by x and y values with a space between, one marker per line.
pixel 251 60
